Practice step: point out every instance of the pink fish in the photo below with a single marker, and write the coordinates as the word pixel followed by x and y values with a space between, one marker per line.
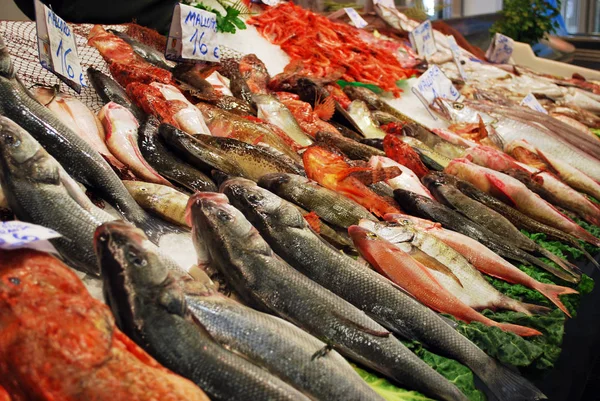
pixel 408 180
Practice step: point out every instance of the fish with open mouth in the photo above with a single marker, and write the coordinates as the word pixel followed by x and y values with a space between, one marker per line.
pixel 265 280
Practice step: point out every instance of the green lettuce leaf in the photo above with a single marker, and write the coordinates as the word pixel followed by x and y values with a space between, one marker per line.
pixel 387 390
pixel 596 131
pixel 372 87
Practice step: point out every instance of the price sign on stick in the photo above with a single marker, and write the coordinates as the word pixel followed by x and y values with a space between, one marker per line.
pixel 500 49
pixel 18 234
pixel 355 17
pixel 421 39
pixel 57 48
pixel 433 84
pixel 456 53
pixel 531 102
pixel 193 35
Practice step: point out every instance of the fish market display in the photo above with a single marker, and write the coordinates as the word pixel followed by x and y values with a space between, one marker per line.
pixel 275 112
pixel 164 201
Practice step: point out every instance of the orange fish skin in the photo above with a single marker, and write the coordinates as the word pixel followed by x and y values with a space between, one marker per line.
pixel 333 172
pixel 58 343
pixel 409 274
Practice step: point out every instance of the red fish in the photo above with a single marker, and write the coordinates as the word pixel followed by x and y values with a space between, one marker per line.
pixel 311 120
pixel 333 172
pixel 415 278
pixel 58 343
pixel 152 101
pixel 402 153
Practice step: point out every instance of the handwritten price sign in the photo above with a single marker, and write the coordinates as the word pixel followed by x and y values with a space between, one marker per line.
pixel 421 39
pixel 500 49
pixel 531 102
pixel 193 35
pixel 456 55
pixel 57 48
pixel 18 234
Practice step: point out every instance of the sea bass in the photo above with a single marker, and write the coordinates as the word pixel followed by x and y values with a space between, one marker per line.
pixel 110 91
pixel 242 255
pixel 164 201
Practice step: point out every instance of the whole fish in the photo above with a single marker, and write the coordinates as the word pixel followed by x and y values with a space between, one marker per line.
pixel 373 101
pixel 407 180
pixel 34 185
pixel 331 171
pixel 351 148
pixel 273 111
pixel 78 158
pixel 255 161
pixel 329 205
pixel 243 256
pixel 148 53
pixel 111 91
pixel 513 192
pixel 185 114
pixel 485 260
pixel 121 129
pixel 383 118
pixel 149 304
pixel 360 114
pixel 443 187
pixel 479 292
pixel 230 68
pixel 433 141
pixel 156 153
pixel 285 230
pixel 194 75
pixel 255 73
pixel 86 357
pixel 430 157
pixel 396 264
pixel 404 154
pixel 311 120
pixel 164 201
pixel 425 207
pixel 224 124
pixel 199 154
pixel 519 219
pixel 280 347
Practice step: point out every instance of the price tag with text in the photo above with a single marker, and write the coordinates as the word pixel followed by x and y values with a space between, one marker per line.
pixel 456 53
pixel 433 84
pixel 18 234
pixel 355 17
pixel 531 102
pixel 421 39
pixel 193 35
pixel 500 49
pixel 57 48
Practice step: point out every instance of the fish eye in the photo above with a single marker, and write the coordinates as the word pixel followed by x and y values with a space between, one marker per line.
pixel 135 259
pixel 458 106
pixel 14 280
pixel 11 140
pixel 103 237
pixel 371 235
pixel 254 198
pixel 223 216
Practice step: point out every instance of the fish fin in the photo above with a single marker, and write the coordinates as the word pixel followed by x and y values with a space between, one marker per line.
pixel 324 108
pixel 522 331
pixel 313 221
pixel 558 272
pixel 533 309
pixel 501 192
pixel 370 176
pixel 506 384
pixel 322 352
pixel 433 264
pixel 359 326
pixel 553 292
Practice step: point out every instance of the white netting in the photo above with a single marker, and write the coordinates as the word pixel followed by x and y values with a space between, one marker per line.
pixel 21 40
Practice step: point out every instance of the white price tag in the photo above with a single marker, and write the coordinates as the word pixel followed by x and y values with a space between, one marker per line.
pixel 18 234
pixel 355 17
pixel 385 3
pixel 500 49
pixel 433 83
pixel 56 47
pixel 456 53
pixel 422 39
pixel 271 3
pixel 531 102
pixel 193 35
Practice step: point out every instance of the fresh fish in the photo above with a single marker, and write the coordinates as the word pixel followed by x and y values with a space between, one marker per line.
pixel 436 143
pixel 111 91
pixel 156 153
pixel 333 172
pixel 425 207
pixel 199 154
pixel 224 124
pixel 404 154
pixel 230 68
pixel 329 205
pixel 485 260
pixel 255 73
pixel 347 132
pixel 148 53
pixel 514 193
pixel 273 111
pixel 312 121
pixel 407 180
pixel 78 158
pixel 194 75
pixel 164 201
pixel 121 129
pixel 360 114
pixel 241 254
pixel 254 161
pixel 479 292
pixel 577 125
pixel 443 187
pixel 427 153
pixel 36 188
pixel 453 137
pixel 280 347
pixel 396 264
pixel 383 118
pixel 187 116
pixel 519 219
pixel 282 226
pixel 373 101
pixel 351 148
pixel 149 305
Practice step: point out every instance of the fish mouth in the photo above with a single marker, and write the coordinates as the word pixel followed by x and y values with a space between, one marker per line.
pixel 203 198
pixel 274 180
pixel 120 228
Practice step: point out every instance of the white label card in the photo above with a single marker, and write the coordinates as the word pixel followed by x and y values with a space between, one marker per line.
pixel 56 47
pixel 422 39
pixel 500 49
pixel 355 17
pixel 531 102
pixel 432 84
pixel 271 3
pixel 456 53
pixel 193 35
pixel 18 234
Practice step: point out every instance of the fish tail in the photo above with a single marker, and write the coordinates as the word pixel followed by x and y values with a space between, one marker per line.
pixel 552 292
pixel 516 329
pixel 568 266
pixel 512 304
pixel 508 385
pixel 560 273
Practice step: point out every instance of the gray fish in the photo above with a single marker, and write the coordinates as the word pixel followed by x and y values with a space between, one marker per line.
pixel 33 183
pixel 280 347
pixel 327 204
pixel 149 306
pixel 110 91
pixel 273 111
pixel 148 53
pixel 262 278
pixel 351 148
pixel 289 236
pixel 433 141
